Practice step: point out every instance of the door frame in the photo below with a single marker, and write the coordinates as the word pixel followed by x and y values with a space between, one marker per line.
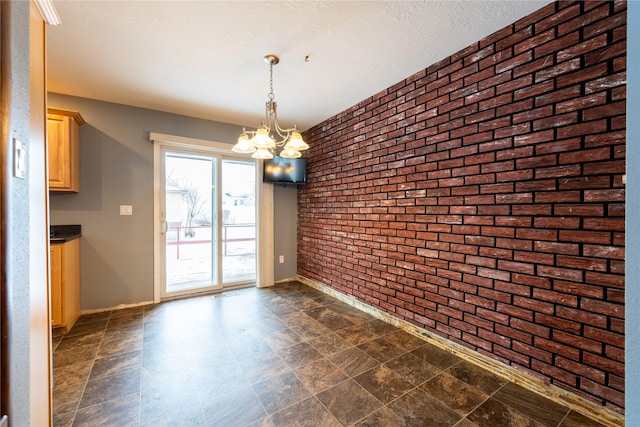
pixel 264 213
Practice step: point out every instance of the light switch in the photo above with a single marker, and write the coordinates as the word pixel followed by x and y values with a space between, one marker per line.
pixel 19 159
pixel 281 259
pixel 126 210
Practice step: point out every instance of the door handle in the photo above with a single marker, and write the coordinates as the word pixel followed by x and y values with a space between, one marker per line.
pixel 163 227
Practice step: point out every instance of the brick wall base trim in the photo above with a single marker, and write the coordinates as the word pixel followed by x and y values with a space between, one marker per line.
pixel 574 402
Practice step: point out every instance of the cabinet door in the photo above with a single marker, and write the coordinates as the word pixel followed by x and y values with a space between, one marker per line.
pixel 63 147
pixel 56 285
pixel 58 150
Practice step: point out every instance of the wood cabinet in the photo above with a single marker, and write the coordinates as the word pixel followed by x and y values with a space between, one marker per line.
pixel 63 147
pixel 65 284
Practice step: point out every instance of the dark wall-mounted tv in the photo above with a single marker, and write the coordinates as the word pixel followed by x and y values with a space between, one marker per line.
pixel 282 170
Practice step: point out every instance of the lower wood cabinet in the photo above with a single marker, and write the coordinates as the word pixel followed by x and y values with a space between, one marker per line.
pixel 65 284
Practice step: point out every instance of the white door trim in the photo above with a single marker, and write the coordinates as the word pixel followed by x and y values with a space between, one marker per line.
pixel 264 193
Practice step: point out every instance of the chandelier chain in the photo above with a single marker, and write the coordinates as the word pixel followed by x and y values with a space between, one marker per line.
pixel 271 95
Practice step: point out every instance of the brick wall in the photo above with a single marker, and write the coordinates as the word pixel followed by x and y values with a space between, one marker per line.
pixel 482 198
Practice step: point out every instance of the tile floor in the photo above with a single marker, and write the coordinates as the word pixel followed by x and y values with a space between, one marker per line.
pixel 284 356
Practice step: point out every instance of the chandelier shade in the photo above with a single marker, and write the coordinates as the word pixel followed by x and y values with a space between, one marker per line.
pixel 261 143
pixel 243 145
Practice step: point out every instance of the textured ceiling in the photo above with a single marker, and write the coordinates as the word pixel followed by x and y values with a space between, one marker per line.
pixel 205 58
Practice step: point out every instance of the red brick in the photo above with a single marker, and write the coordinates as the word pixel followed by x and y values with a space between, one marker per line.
pixel 613 280
pixel 440 198
pixel 530 327
pixel 582 317
pixel 557 348
pixel 603 363
pixel 602 307
pixel 561 273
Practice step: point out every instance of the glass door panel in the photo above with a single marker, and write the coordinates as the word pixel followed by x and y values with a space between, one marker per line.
pixel 191 241
pixel 238 222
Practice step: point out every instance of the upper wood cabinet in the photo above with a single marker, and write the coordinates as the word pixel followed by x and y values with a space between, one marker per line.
pixel 63 133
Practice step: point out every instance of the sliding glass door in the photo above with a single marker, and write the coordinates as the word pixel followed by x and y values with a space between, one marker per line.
pixel 208 221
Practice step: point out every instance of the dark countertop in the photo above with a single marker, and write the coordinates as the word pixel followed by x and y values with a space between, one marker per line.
pixel 64 233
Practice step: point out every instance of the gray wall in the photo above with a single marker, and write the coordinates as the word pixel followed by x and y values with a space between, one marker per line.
pixel 632 279
pixel 116 168
pixel 285 211
pixel 16 212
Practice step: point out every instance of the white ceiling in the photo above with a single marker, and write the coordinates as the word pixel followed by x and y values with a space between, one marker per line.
pixel 205 58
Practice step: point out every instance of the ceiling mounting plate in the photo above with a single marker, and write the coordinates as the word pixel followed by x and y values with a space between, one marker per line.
pixel 271 59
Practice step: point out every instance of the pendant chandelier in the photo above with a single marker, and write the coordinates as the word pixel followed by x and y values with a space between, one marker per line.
pixel 261 143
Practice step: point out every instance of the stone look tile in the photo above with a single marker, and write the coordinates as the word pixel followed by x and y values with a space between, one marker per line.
pixel 69 357
pixel 124 332
pixel 311 330
pixel 72 374
pixel 282 309
pixel 353 361
pixel 240 407
pixel 477 377
pixel 265 422
pixel 381 418
pixel 466 423
pixel 110 387
pixel 320 313
pixel 380 327
pixel 64 420
pixel 404 340
pixel 351 313
pixel 117 363
pixel 84 328
pixel 494 413
pixel 299 354
pixel 381 349
pixel 438 357
pixel 357 334
pixel 305 304
pixel 66 398
pixel 280 392
pixel 349 402
pixel 413 369
pixel 320 375
pixel 417 408
pixel 309 412
pixel 456 394
pixel 262 367
pixel 173 404
pixel 281 338
pixel 250 347
pixel 217 379
pixel 577 420
pixel 383 383
pixel 218 360
pixel 335 323
pixel 531 404
pixel 329 344
pixel 295 319
pixel 73 342
pixel 120 345
pixel 124 411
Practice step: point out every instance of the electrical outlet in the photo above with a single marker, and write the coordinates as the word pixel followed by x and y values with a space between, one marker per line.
pixel 126 210
pixel 281 259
